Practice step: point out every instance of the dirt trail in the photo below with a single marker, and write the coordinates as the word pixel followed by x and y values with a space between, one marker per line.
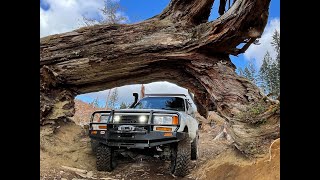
pixel 70 146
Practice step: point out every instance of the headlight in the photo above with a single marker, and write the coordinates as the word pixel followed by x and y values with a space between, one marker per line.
pixel 143 119
pixel 104 118
pixel 116 119
pixel 99 126
pixel 165 120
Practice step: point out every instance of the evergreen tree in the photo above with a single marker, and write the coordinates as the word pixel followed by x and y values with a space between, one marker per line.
pixel 123 105
pixel 249 72
pixel 264 74
pixel 240 71
pixel 113 98
pixel 276 44
pixel 276 67
pixel 95 103
pixel 269 73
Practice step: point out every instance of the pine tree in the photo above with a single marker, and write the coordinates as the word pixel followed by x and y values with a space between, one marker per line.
pixel 240 71
pixel 107 100
pixel 276 43
pixel 276 67
pixel 269 73
pixel 264 74
pixel 123 105
pixel 95 103
pixel 113 98
pixel 249 72
pixel 252 72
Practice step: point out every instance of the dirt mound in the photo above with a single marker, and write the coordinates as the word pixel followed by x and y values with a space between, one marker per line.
pixel 68 145
pixel 231 165
pixel 83 112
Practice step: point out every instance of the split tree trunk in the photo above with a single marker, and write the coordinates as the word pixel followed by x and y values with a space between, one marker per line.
pixel 178 46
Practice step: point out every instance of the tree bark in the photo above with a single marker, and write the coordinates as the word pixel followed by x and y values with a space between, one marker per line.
pixel 179 45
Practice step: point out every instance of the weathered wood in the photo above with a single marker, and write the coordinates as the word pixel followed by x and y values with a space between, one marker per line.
pixel 178 46
pixel 74 169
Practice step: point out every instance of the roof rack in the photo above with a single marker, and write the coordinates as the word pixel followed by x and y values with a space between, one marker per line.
pixel 165 95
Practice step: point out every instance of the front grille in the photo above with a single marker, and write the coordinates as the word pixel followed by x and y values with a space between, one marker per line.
pixel 128 119
pixel 126 135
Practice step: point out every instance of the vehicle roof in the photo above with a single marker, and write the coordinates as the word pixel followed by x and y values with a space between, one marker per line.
pixel 166 95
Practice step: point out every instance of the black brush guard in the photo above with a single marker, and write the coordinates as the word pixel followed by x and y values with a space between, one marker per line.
pixel 141 136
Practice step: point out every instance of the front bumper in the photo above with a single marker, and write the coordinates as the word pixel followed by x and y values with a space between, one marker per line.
pixel 140 139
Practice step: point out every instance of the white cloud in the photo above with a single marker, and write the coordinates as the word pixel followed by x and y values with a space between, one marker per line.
pixel 256 53
pixel 66 15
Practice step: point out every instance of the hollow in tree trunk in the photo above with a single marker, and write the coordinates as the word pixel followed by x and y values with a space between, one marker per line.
pixel 180 46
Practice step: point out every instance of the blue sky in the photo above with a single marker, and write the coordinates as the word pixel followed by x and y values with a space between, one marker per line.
pixel 139 10
pixel 57 16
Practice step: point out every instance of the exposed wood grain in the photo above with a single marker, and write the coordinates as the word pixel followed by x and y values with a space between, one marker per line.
pixel 179 45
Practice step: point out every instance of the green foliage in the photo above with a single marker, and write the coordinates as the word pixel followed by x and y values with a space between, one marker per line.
pixel 269 73
pixel 252 112
pixel 251 149
pixel 240 71
pixel 268 76
pixel 264 73
pixel 276 43
pixel 123 105
pixel 249 72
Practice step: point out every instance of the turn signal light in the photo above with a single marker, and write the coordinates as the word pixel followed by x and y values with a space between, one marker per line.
pixel 163 129
pixel 175 120
pixel 102 127
pixel 94 132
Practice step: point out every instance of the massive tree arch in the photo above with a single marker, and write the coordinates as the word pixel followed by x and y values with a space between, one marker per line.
pixel 179 45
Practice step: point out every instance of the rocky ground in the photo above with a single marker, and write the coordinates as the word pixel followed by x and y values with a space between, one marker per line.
pixel 66 154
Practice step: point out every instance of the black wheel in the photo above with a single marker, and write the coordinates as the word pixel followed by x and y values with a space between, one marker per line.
pixel 195 148
pixel 180 158
pixel 104 158
pixel 94 145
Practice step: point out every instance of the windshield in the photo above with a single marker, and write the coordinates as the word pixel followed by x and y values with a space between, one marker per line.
pixel 167 103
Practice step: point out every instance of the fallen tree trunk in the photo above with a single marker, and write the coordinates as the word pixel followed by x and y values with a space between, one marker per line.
pixel 179 45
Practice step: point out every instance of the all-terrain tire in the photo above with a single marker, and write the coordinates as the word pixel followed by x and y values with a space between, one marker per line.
pixel 94 145
pixel 180 158
pixel 194 148
pixel 104 158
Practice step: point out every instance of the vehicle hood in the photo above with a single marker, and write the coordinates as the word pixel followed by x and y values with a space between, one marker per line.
pixel 146 110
